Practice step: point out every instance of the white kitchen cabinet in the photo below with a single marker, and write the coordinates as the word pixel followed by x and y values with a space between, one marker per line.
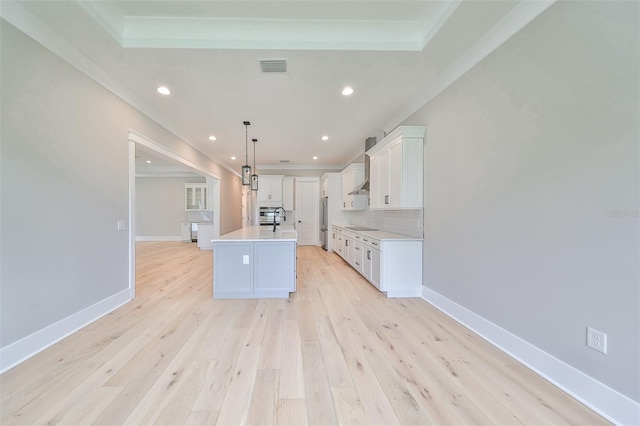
pixel 288 193
pixel 346 248
pixel 356 255
pixel 352 176
pixel 195 196
pixel 396 172
pixel 393 263
pixel 270 190
pixel 205 235
pixel 371 265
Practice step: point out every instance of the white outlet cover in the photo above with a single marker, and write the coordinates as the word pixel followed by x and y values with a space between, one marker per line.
pixel 597 340
pixel 245 259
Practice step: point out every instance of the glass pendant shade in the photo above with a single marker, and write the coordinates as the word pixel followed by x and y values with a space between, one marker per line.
pixel 246 169
pixel 246 175
pixel 254 177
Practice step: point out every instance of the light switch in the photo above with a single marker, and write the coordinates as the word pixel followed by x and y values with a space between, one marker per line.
pixel 121 225
pixel 245 259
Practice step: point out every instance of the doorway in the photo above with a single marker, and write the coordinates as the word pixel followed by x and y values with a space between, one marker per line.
pixel 308 210
pixel 139 142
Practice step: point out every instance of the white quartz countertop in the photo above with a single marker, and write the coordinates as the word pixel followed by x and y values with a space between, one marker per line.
pixel 380 235
pixel 259 233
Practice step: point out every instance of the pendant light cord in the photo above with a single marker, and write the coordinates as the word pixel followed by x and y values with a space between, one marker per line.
pixel 246 144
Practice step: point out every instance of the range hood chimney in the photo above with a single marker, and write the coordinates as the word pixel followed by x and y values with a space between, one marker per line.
pixel 363 188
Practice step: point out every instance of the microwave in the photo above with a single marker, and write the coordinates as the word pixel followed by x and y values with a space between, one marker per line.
pixel 267 214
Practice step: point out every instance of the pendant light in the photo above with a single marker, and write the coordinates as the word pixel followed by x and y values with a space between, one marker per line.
pixel 246 169
pixel 254 176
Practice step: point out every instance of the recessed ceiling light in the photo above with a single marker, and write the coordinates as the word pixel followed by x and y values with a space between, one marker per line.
pixel 163 90
pixel 148 161
pixel 315 158
pixel 347 91
pixel 325 138
pixel 212 138
pixel 233 158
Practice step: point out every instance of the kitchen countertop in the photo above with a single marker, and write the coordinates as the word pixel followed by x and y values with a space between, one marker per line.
pixel 380 235
pixel 259 233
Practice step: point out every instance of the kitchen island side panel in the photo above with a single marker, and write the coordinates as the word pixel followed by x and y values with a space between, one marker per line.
pixel 233 268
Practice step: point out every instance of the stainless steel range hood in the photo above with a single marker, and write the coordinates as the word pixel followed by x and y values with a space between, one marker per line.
pixel 363 188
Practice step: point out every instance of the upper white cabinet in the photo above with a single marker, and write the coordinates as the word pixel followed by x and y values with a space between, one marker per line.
pixel 195 196
pixel 396 165
pixel 353 175
pixel 287 193
pixel 270 190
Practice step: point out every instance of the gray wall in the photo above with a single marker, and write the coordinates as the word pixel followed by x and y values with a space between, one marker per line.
pixel 160 205
pixel 64 184
pixel 524 156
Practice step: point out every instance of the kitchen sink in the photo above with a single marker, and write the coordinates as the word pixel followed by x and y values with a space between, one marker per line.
pixel 360 228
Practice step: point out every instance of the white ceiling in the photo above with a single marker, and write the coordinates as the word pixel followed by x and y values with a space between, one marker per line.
pixel 395 54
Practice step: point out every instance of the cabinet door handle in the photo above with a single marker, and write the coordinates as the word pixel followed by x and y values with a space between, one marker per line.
pixel 369 201
pixel 375 244
pixel 344 204
pixel 352 204
pixel 368 254
pixel 386 199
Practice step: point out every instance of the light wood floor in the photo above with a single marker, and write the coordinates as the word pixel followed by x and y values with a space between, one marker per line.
pixel 336 352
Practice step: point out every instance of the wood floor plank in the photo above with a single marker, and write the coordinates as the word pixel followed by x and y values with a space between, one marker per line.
pixel 291 371
pixel 262 410
pixel 336 351
pixel 237 399
pixel 291 412
pixel 320 410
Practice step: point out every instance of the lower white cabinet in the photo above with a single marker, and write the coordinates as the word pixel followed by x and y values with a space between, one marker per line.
pixel 205 234
pixel 392 265
pixel 254 269
pixel 371 265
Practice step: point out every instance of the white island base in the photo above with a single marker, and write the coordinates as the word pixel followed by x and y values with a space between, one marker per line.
pixel 254 262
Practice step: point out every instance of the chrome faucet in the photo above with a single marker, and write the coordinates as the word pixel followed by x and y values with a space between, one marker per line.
pixel 275 212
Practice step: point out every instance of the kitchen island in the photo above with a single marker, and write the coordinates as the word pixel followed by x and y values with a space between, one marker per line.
pixel 255 262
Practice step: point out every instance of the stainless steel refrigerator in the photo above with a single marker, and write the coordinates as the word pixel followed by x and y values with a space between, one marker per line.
pixel 324 224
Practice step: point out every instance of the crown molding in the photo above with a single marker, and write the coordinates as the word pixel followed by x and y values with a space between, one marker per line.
pixel 268 33
pixel 300 167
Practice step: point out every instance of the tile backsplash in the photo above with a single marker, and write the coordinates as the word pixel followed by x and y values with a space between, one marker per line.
pixel 406 222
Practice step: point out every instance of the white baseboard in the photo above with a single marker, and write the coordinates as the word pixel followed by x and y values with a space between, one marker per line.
pixel 605 401
pixel 25 348
pixel 161 238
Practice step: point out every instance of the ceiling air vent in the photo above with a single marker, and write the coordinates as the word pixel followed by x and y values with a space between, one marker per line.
pixel 273 65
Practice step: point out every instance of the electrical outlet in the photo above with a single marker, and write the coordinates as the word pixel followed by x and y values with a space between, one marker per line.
pixel 121 225
pixel 597 340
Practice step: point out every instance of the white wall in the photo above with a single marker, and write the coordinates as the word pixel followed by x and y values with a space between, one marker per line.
pixel 64 185
pixel 160 206
pixel 524 156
